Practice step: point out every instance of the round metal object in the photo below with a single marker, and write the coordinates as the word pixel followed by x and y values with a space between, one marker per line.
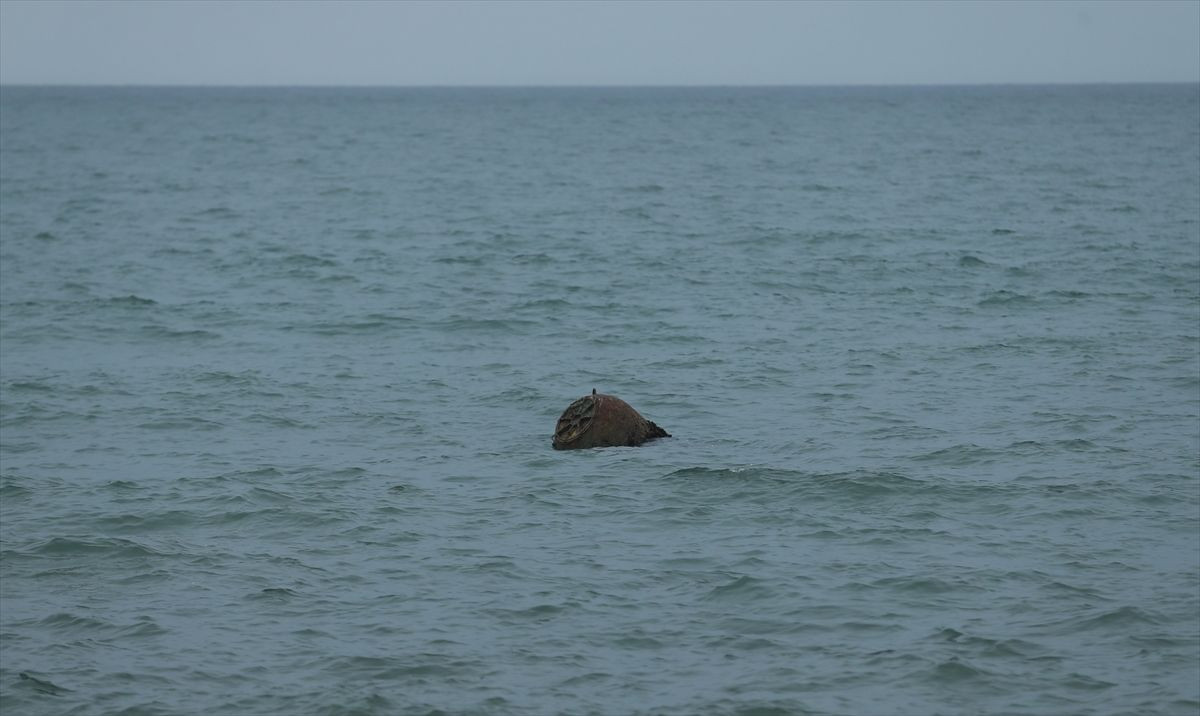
pixel 600 420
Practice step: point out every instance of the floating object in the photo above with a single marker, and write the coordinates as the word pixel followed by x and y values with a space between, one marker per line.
pixel 600 420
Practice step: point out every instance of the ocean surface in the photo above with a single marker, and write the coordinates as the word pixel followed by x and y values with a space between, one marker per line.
pixel 279 370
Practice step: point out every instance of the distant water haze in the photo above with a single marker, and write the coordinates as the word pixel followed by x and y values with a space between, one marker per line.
pixel 597 43
pixel 280 368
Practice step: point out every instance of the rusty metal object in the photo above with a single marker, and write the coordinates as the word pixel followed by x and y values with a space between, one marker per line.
pixel 599 420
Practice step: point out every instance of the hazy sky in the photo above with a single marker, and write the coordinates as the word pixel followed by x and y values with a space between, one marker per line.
pixel 554 43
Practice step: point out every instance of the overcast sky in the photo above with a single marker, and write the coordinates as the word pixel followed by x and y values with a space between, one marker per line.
pixel 596 43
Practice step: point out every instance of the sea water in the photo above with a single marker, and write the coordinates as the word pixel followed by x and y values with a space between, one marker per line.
pixel 280 369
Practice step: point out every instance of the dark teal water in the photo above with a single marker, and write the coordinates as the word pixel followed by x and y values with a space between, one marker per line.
pixel 280 370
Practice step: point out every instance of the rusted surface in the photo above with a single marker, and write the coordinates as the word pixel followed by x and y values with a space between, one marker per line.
pixel 600 420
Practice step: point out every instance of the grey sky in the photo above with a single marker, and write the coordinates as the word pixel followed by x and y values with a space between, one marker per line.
pixel 586 43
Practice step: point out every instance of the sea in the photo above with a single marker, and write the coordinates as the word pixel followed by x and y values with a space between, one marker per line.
pixel 280 367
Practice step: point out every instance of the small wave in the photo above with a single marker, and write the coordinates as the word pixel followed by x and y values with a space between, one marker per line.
pixel 121 485
pixel 1005 299
pixel 744 643
pixel 1120 620
pixel 71 622
pixel 463 259
pixel 277 421
pixel 157 331
pixel 1081 445
pixel 78 626
pixel 959 455
pixel 539 612
pixel 285 516
pixel 110 546
pixel 41 686
pixel 138 522
pixel 217 212
pixel 1057 587
pixel 1084 682
pixel 243 378
pixel 538 259
pixel 544 304
pixel 1072 294
pixel 37 413
pixel 638 641
pixel 346 472
pixel 589 678
pixel 954 671
pixel 12 488
pixel 1120 617
pixel 1014 649
pixel 30 386
pixel 130 300
pixel 307 261
pixel 855 485
pixel 181 424
pixel 341 328
pixel 923 585
pixel 647 188
pixel 743 588
pixel 486 325
pixel 273 594
pixel 406 667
